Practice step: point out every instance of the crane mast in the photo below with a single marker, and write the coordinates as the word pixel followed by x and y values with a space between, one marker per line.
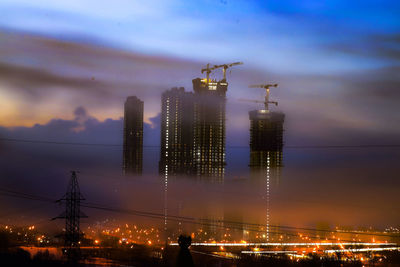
pixel 208 70
pixel 266 87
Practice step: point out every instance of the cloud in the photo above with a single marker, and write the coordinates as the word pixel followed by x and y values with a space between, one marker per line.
pixel 384 47
pixel 45 167
pixel 27 78
pixel 381 85
pixel 36 71
pixel 44 78
pixel 83 128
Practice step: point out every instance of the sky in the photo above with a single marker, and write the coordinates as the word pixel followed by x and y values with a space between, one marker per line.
pixel 345 53
pixel 66 68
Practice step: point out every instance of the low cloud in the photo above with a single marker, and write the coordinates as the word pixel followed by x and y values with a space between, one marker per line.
pixel 83 128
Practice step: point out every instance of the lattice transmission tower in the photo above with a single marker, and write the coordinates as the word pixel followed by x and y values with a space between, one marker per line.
pixel 72 216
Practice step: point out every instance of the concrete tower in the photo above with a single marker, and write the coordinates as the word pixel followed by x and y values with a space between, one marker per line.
pixel 133 136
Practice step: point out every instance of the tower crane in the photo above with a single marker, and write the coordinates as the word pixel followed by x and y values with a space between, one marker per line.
pixel 266 101
pixel 209 69
pixel 225 67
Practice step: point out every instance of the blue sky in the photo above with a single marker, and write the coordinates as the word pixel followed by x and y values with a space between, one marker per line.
pixel 289 36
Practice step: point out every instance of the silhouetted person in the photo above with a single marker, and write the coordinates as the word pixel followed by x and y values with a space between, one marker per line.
pixel 184 256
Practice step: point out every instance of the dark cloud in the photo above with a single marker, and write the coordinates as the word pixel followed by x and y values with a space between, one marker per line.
pixel 41 72
pixel 34 83
pixel 384 46
pixel 83 128
pixel 382 83
pixel 53 63
pixel 80 112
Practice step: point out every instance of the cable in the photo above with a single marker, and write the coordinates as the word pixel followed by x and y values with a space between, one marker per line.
pixel 156 146
pixel 56 143
pixel 181 218
pixel 173 217
pixel 142 214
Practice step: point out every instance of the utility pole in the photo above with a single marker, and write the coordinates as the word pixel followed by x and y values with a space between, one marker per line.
pixel 72 215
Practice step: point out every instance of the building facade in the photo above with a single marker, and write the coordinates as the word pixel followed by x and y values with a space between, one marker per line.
pixel 266 143
pixel 193 130
pixel 133 136
pixel 209 128
pixel 266 139
pixel 177 117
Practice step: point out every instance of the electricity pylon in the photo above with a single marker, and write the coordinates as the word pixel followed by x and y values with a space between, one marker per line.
pixel 72 215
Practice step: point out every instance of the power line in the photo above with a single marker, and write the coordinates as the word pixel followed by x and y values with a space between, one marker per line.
pixel 156 146
pixel 190 220
pixel 142 214
pixel 58 143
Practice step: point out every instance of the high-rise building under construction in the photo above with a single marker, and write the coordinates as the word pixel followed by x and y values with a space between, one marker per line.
pixel 266 141
pixel 209 127
pixel 133 136
pixel 177 118
pixel 193 128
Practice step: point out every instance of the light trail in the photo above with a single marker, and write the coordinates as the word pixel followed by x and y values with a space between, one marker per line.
pixel 361 249
pixel 268 252
pixel 288 244
pixel 212 255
